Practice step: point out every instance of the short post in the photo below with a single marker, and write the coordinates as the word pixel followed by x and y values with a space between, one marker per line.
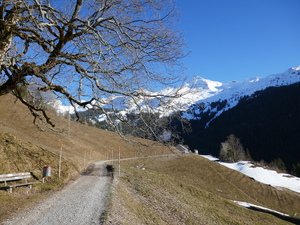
pixel 60 157
pixel 119 161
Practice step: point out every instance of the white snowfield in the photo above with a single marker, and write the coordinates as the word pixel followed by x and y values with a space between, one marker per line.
pixel 263 175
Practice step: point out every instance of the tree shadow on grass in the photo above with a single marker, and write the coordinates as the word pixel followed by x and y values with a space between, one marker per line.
pixel 282 217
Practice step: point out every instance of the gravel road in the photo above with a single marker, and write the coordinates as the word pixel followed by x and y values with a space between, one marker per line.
pixel 82 202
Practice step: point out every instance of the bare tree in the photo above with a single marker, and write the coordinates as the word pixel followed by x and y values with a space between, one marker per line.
pixel 88 50
pixel 232 150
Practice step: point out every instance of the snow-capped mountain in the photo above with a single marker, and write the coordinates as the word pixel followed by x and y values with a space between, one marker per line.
pixel 200 95
pixel 263 113
pixel 230 93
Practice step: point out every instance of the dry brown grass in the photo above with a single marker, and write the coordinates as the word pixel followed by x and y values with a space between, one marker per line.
pixel 24 148
pixel 95 143
pixel 189 189
pixel 171 190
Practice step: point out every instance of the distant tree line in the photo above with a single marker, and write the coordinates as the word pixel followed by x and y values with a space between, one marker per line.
pixel 137 125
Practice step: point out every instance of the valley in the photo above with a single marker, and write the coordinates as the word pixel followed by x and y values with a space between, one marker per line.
pixel 106 117
pixel 175 189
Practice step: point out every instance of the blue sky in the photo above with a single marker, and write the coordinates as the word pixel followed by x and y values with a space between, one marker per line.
pixel 238 39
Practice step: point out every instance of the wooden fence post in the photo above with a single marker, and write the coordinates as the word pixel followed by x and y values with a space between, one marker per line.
pixel 119 161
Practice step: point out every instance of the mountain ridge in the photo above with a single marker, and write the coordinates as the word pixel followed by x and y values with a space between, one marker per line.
pixel 207 106
pixel 267 123
pixel 233 91
pixel 202 92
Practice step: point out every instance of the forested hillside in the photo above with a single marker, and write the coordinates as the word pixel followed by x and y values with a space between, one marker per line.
pixel 267 124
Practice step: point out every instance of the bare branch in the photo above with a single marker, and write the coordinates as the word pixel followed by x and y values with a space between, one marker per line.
pixel 91 51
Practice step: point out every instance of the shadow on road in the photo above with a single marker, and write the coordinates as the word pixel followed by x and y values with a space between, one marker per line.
pixel 99 170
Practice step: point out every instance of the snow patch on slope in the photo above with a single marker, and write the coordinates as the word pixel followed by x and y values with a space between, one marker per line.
pixel 263 175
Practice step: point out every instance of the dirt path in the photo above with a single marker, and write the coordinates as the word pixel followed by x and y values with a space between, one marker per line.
pixel 81 202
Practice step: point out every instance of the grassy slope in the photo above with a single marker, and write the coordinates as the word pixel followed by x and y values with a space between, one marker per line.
pixel 178 190
pixel 190 189
pixel 24 148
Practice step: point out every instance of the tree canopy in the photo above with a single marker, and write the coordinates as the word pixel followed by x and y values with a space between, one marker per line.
pixel 87 50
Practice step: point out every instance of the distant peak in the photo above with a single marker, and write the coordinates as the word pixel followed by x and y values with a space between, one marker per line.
pixel 296 68
pixel 200 82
